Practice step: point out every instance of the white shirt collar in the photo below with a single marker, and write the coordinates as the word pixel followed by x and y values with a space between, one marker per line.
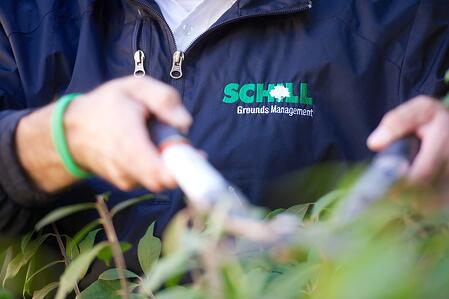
pixel 188 19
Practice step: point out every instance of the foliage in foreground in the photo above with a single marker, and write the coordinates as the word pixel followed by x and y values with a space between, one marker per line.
pixel 397 249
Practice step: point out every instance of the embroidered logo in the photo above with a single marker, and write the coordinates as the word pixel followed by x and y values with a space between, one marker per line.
pixel 281 98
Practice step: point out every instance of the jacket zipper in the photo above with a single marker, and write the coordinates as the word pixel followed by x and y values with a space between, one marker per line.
pixel 176 69
pixel 171 38
pixel 139 67
pixel 139 55
pixel 179 56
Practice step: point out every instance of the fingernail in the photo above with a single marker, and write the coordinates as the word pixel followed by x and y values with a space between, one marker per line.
pixel 379 137
pixel 182 117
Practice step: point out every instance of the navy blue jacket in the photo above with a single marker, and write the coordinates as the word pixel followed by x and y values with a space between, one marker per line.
pixel 274 86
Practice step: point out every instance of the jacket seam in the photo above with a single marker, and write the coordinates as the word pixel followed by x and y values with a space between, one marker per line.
pixel 401 72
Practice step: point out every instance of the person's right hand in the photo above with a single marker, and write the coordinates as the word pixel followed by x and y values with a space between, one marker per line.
pixel 107 133
pixel 426 118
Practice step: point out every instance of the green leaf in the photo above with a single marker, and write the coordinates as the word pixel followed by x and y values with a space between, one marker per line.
pixel 79 236
pixel 8 255
pixel 4 294
pixel 101 289
pixel 324 202
pixel 112 274
pixel 107 289
pixel 446 77
pixel 74 271
pixel 71 250
pixel 179 292
pixel 174 232
pixel 274 213
pixel 288 284
pixel 88 241
pixel 235 284
pixel 299 210
pixel 26 240
pixel 149 250
pixel 168 267
pixel 257 279
pixel 23 258
pixel 63 212
pixel 43 269
pixel 42 293
pixel 106 255
pixel 130 202
pixel 26 290
pixel 174 281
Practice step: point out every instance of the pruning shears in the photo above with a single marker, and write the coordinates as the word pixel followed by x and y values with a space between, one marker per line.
pixel 386 169
pixel 187 166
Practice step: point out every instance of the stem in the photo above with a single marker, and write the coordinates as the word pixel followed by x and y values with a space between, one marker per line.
pixel 62 250
pixel 210 255
pixel 119 259
pixel 209 259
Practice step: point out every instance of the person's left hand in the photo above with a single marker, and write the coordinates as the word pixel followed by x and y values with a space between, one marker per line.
pixel 428 119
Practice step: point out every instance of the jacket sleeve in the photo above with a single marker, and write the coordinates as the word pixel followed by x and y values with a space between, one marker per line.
pixel 17 194
pixel 427 54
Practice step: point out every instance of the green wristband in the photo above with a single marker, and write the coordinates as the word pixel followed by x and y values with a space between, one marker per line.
pixel 59 138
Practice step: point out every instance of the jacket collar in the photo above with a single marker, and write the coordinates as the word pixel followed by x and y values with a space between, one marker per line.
pixel 254 7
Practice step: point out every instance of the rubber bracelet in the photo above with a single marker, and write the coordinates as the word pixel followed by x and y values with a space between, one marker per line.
pixel 59 138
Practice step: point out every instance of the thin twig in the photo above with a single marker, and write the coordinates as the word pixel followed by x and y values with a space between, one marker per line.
pixel 62 249
pixel 117 253
pixel 209 259
pixel 210 255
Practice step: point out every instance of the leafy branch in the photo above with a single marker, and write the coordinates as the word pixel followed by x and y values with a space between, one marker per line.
pixel 119 259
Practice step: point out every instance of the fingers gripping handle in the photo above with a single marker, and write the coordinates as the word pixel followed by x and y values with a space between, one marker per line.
pixel 161 133
pixel 406 148
pixel 387 168
pixel 199 180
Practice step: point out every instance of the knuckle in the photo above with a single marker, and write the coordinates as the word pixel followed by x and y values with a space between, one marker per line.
pixel 425 104
pixel 119 179
pixel 423 100
pixel 146 175
pixel 124 185
pixel 154 180
pixel 155 186
pixel 170 184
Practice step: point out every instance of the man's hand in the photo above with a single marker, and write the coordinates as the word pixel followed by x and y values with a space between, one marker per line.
pixel 107 135
pixel 428 119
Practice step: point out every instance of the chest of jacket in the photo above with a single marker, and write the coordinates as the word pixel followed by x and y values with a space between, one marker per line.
pixel 271 89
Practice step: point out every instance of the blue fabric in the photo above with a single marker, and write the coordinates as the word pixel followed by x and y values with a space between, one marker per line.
pixel 359 59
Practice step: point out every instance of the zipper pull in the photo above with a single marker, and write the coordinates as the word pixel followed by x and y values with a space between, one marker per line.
pixel 176 69
pixel 139 69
